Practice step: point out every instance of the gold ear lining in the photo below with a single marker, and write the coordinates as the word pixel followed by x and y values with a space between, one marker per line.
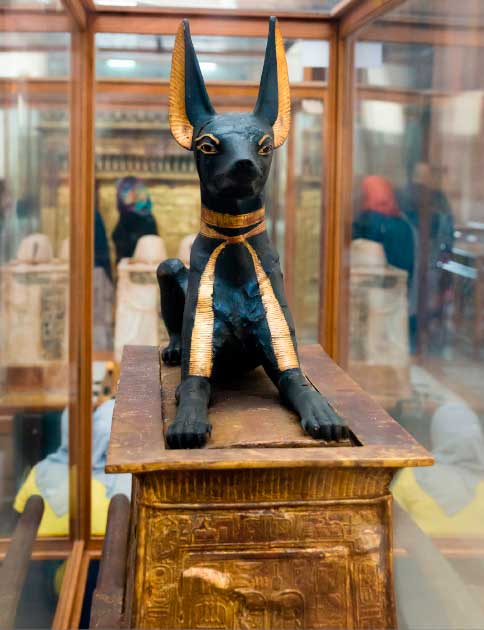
pixel 208 135
pixel 180 126
pixel 283 120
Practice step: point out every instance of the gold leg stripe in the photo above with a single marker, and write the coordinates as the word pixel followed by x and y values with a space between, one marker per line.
pixel 280 335
pixel 201 350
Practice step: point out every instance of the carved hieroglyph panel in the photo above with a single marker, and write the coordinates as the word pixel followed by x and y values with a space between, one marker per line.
pixel 290 588
pixel 36 301
pixel 325 566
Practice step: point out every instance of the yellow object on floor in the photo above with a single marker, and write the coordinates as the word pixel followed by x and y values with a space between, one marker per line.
pixel 53 525
pixel 430 517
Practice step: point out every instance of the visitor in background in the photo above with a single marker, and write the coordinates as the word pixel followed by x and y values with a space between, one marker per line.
pixel 135 217
pixel 380 219
pixel 50 479
pixel 103 289
pixel 8 224
pixel 429 212
pixel 447 499
pixel 101 247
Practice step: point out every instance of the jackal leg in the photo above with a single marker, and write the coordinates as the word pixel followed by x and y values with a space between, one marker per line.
pixel 172 279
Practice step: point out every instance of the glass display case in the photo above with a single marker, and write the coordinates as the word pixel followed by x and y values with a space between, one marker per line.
pixel 34 298
pixel 411 332
pixel 375 205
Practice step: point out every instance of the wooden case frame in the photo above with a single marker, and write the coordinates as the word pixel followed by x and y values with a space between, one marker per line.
pixel 83 20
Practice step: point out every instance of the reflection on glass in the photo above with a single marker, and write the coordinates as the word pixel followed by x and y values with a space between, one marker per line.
pixel 470 12
pixel 34 263
pixel 448 498
pixel 34 55
pixel 40 595
pixel 221 58
pixel 302 230
pixel 323 6
pixel 32 5
pixel 50 479
pixel 416 282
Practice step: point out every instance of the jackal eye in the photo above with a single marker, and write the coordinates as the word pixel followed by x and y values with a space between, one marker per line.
pixel 266 149
pixel 207 148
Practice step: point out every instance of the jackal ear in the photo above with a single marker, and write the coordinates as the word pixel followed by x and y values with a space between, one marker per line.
pixel 189 105
pixel 274 100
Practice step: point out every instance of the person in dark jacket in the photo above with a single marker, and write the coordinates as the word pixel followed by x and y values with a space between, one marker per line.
pixel 101 248
pixel 380 219
pixel 135 217
pixel 429 212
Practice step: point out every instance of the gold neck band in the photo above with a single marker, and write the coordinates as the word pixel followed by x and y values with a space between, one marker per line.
pixel 218 219
pixel 206 230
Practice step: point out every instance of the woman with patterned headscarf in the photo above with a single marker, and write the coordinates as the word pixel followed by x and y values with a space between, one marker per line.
pixel 135 217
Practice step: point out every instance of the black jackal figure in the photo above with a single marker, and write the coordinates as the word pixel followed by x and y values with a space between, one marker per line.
pixel 228 312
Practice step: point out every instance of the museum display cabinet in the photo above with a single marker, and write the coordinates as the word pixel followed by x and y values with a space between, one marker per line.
pixel 375 204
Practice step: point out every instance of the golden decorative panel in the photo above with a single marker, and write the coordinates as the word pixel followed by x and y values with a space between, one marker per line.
pixel 262 485
pixel 306 566
pixel 279 534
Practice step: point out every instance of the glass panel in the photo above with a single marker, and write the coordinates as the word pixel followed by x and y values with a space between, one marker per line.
pixel 40 594
pixel 221 58
pixel 34 55
pixel 32 5
pixel 416 309
pixel 34 228
pixel 293 6
pixel 133 140
pixel 469 12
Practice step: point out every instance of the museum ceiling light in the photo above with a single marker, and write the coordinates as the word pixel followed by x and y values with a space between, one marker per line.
pixel 121 64
pixel 207 66
pixel 119 3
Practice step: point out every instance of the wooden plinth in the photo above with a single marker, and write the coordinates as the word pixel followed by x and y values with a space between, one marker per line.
pixel 265 527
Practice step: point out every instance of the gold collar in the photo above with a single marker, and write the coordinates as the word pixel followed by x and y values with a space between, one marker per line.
pixel 206 230
pixel 220 220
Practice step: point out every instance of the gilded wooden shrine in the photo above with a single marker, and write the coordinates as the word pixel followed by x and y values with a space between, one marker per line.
pixel 265 527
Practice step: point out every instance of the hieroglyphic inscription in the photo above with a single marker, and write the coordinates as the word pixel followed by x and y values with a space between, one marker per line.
pixel 286 567
pixel 53 321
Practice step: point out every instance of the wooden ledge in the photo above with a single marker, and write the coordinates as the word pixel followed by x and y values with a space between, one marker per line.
pixel 137 443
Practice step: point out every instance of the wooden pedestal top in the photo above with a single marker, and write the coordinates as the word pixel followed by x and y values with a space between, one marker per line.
pixel 251 429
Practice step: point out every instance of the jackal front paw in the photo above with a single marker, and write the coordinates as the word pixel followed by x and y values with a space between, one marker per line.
pixel 319 419
pixel 189 429
pixel 171 355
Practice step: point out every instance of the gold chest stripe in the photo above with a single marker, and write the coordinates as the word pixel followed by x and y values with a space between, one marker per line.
pixel 201 350
pixel 280 335
pixel 218 219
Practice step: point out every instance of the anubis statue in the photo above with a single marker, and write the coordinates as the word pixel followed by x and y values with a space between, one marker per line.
pixel 228 312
